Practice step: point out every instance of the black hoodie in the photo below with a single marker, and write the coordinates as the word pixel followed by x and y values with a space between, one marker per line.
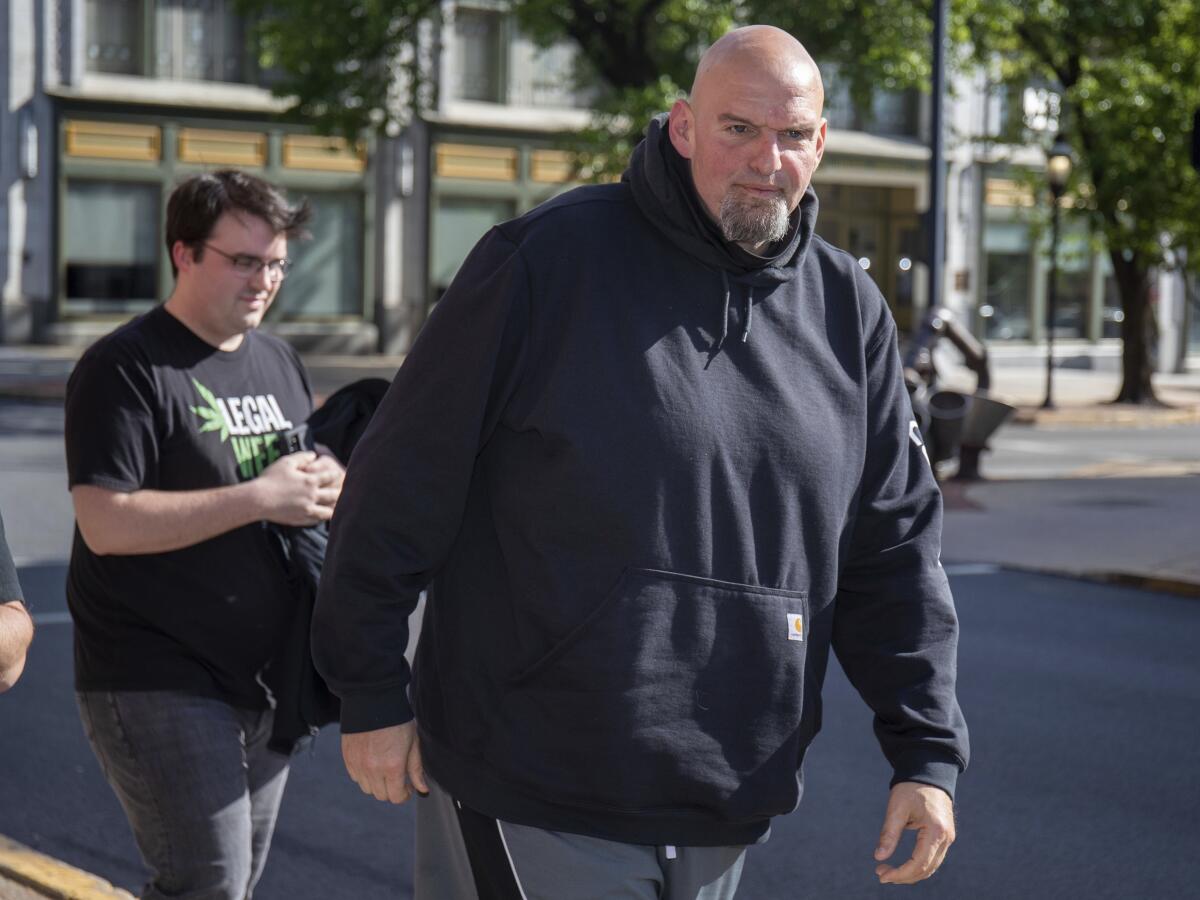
pixel 643 537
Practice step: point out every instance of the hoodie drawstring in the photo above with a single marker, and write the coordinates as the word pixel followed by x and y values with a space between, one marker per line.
pixel 724 313
pixel 749 314
pixel 749 317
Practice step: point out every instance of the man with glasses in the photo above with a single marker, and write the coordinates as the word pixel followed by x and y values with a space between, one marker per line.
pixel 175 444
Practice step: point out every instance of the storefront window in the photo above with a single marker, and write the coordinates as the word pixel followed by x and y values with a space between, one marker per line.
pixel 1074 283
pixel 1112 313
pixel 457 225
pixel 1087 305
pixel 111 244
pixel 327 279
pixel 1005 312
pixel 878 226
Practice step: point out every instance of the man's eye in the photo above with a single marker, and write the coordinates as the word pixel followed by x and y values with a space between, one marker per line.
pixel 795 134
pixel 245 263
pixel 740 129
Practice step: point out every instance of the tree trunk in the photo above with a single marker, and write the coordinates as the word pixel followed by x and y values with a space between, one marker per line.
pixel 1133 282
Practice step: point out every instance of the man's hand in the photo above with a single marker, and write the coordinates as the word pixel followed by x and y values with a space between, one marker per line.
pixel 930 811
pixel 386 763
pixel 328 470
pixel 16 631
pixel 290 494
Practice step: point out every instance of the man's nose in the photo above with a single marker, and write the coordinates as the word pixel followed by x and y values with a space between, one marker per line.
pixel 766 155
pixel 262 280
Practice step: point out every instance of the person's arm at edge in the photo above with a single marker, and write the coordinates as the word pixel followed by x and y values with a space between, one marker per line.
pixel 895 629
pixel 151 521
pixel 16 632
pixel 391 533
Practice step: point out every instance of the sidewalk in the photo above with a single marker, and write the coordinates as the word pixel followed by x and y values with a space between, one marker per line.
pixel 1125 520
pixel 1082 396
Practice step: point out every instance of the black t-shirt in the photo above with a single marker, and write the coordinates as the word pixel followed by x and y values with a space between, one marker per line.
pixel 153 406
pixel 10 588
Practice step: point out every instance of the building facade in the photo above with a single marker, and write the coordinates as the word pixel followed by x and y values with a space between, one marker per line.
pixel 113 102
pixel 110 102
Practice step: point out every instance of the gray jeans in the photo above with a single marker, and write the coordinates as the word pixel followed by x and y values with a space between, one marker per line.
pixel 463 855
pixel 198 785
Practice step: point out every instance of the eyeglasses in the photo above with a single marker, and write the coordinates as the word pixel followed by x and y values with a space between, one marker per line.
pixel 248 266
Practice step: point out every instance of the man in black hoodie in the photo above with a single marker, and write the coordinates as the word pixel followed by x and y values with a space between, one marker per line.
pixel 653 455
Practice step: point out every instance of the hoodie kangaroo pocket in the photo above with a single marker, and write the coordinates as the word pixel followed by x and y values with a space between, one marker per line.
pixel 676 693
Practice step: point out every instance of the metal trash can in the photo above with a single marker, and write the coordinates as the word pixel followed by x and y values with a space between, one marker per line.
pixel 947 417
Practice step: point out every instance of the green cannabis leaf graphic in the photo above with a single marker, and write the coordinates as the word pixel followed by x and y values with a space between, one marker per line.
pixel 211 414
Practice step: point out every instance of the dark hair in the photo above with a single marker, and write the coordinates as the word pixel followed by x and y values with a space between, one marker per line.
pixel 197 203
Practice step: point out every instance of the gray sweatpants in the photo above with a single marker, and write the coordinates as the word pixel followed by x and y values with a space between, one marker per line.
pixel 464 855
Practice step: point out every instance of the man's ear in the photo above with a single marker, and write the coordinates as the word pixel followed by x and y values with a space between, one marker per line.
pixel 681 125
pixel 821 132
pixel 182 256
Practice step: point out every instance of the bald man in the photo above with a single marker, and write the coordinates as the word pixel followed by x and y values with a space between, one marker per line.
pixel 652 456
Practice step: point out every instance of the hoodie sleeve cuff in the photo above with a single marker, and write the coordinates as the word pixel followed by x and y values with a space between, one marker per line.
pixel 372 710
pixel 939 773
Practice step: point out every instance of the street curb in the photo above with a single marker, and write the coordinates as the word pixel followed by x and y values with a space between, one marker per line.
pixel 51 877
pixel 1148 583
pixel 1175 586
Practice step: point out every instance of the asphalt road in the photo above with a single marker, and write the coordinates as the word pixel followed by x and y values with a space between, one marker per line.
pixel 1082 701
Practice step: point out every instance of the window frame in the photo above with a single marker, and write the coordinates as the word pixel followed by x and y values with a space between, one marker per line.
pixel 168 170
pixel 522 191
pixel 1073 223
pixel 91 308
pixel 251 73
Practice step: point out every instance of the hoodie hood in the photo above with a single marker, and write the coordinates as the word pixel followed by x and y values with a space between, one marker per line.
pixel 662 186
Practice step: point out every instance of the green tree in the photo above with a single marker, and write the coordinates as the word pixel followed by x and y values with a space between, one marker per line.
pixel 1128 72
pixel 349 67
pixel 641 54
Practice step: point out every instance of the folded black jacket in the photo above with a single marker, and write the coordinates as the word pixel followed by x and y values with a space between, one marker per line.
pixel 302 701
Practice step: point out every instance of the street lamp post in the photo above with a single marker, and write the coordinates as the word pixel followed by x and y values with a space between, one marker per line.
pixel 1058 171
pixel 936 220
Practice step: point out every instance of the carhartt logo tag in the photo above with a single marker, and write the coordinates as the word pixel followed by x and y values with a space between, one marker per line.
pixel 795 626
